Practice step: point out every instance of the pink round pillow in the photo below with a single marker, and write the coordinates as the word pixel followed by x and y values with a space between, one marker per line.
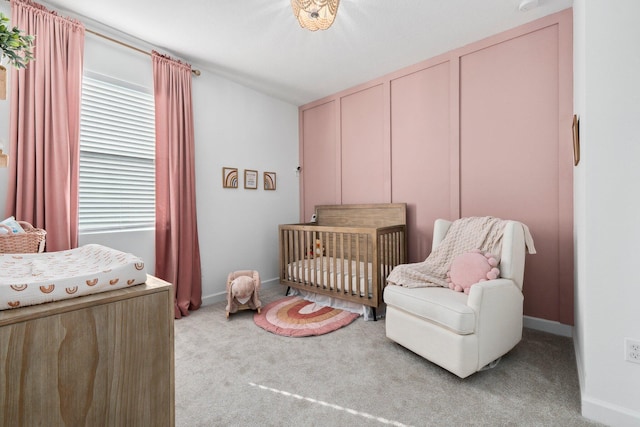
pixel 470 268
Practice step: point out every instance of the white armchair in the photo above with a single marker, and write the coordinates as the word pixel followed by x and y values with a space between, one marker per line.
pixel 462 333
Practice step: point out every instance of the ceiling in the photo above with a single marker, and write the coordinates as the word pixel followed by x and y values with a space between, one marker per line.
pixel 260 44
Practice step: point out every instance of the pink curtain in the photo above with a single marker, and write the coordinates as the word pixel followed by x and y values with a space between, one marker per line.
pixel 177 249
pixel 45 126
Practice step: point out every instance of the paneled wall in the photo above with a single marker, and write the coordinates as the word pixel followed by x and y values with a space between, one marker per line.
pixel 320 181
pixel 421 122
pixel 364 148
pixel 482 130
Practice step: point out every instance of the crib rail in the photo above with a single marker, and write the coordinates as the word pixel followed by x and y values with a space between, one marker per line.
pixel 349 263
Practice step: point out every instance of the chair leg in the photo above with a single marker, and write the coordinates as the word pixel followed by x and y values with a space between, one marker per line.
pixel 375 318
pixel 491 365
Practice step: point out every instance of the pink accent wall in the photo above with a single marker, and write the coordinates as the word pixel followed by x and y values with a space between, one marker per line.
pixel 482 130
pixel 365 164
pixel 320 171
pixel 420 151
pixel 509 149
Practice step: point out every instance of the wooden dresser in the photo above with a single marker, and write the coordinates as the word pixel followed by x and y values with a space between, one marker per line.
pixel 99 360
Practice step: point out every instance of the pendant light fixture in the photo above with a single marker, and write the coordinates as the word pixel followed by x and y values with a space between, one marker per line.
pixel 315 14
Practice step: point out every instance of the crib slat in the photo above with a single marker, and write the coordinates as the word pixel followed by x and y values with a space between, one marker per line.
pixel 368 244
pixel 315 276
pixel 334 283
pixel 340 287
pixel 351 285
pixel 323 277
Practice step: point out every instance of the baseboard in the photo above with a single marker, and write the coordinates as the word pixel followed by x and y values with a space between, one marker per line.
pixel 579 365
pixel 606 413
pixel 592 408
pixel 222 296
pixel 601 411
pixel 544 325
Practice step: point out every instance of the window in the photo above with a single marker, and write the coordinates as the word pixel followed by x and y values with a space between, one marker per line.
pixel 117 156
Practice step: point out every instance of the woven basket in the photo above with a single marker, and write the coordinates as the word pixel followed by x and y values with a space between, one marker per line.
pixel 31 241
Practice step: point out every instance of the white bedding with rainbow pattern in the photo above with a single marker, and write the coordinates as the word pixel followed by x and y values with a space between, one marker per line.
pixel 29 279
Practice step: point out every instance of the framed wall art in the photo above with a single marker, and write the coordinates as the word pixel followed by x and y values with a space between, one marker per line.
pixel 250 179
pixel 229 177
pixel 269 180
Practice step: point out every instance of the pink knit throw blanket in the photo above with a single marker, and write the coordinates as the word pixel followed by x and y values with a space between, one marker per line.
pixel 464 235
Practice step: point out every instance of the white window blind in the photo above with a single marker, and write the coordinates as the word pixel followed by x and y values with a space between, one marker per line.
pixel 117 157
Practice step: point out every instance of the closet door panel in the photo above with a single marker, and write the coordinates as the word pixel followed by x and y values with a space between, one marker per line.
pixel 364 159
pixel 320 172
pixel 420 152
pixel 509 157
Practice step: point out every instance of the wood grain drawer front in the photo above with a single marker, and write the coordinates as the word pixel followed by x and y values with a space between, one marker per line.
pixel 109 364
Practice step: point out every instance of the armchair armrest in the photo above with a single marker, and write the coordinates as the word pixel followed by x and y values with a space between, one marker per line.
pixel 483 292
pixel 498 306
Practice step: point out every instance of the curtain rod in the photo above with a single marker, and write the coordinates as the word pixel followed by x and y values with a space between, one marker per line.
pixel 194 71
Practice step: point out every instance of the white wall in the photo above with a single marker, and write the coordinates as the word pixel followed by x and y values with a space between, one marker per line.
pixel 607 208
pixel 234 126
pixel 238 228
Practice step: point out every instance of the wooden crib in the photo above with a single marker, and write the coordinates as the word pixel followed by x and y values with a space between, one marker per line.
pixel 347 253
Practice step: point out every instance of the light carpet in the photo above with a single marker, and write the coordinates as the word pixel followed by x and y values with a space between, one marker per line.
pixel 232 373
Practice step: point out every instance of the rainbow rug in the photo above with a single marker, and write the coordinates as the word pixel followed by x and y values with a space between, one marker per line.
pixel 296 317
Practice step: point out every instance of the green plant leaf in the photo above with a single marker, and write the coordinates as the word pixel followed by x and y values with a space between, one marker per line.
pixel 14 45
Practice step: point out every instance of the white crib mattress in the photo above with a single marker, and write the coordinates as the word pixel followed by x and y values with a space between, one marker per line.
pixel 29 279
pixel 321 270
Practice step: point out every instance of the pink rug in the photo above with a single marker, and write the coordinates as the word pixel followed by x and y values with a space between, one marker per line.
pixel 297 317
